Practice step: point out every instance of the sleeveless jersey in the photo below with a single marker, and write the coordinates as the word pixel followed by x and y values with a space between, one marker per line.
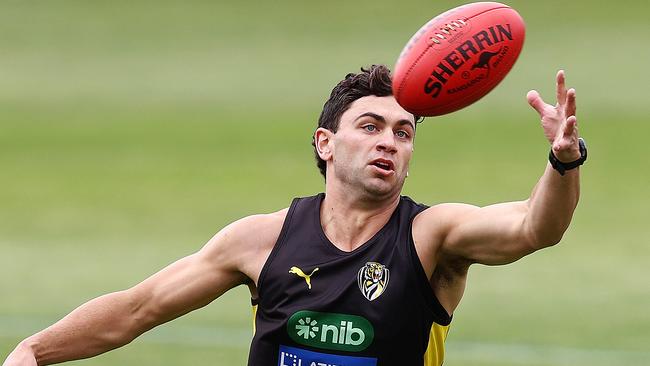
pixel 321 306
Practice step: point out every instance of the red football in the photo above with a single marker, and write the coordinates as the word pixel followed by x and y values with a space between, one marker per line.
pixel 457 58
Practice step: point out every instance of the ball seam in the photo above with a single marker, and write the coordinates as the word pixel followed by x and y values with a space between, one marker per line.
pixel 408 72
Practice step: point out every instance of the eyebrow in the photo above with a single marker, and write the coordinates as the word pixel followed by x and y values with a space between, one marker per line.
pixel 401 122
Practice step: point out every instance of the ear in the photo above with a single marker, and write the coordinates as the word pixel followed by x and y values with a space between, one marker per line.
pixel 323 142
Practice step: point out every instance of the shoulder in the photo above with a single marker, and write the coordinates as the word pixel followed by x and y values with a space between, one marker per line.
pixel 437 214
pixel 433 226
pixel 254 228
pixel 442 217
pixel 247 242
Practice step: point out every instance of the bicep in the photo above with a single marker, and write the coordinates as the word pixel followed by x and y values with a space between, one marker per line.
pixel 234 256
pixel 188 284
pixel 493 235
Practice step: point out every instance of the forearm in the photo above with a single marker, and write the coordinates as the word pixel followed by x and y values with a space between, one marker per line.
pixel 113 320
pixel 102 324
pixel 551 206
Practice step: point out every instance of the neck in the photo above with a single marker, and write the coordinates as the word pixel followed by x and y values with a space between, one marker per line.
pixel 350 221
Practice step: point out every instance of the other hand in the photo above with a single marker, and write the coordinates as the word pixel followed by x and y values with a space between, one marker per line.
pixel 559 121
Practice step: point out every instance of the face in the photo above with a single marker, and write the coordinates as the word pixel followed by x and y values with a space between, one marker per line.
pixel 371 150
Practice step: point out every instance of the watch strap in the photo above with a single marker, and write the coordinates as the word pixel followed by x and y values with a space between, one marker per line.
pixel 563 167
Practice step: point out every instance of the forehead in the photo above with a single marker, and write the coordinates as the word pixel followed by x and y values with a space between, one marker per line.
pixel 386 107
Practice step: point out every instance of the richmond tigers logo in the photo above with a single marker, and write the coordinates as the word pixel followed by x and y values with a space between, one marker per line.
pixel 373 280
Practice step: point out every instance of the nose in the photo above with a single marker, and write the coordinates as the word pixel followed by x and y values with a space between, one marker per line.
pixel 386 142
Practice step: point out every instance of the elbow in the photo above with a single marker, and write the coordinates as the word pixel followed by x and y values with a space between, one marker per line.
pixel 550 241
pixel 141 316
pixel 544 239
pixel 545 232
pixel 131 323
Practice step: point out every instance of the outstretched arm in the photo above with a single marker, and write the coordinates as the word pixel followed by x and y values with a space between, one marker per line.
pixel 555 196
pixel 503 233
pixel 230 258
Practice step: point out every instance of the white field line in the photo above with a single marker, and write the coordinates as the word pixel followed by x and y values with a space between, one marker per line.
pixel 458 352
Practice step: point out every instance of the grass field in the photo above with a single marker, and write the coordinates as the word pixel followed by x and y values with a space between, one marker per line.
pixel 130 132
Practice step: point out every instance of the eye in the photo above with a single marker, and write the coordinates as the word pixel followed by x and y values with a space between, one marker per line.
pixel 370 128
pixel 402 134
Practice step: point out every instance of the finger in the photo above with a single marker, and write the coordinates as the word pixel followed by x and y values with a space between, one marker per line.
pixel 563 146
pixel 570 126
pixel 536 101
pixel 568 143
pixel 570 109
pixel 561 88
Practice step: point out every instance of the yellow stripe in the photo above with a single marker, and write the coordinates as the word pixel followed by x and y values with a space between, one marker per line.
pixel 435 354
pixel 254 314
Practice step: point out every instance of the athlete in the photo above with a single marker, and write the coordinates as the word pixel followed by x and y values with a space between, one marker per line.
pixel 357 275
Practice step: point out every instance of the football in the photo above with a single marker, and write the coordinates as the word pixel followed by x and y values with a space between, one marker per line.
pixel 457 58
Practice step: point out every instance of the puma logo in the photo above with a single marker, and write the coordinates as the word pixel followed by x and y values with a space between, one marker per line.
pixel 297 271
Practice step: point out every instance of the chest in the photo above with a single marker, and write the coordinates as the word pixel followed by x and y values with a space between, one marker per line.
pixel 347 303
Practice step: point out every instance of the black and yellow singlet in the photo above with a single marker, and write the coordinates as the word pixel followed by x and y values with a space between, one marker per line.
pixel 320 306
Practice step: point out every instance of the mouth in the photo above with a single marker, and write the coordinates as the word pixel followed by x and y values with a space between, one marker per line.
pixel 385 166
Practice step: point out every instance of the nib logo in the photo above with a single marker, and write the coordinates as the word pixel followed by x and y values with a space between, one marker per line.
pixel 331 331
pixel 307 328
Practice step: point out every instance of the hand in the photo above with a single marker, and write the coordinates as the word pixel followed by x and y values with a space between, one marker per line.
pixel 21 356
pixel 559 122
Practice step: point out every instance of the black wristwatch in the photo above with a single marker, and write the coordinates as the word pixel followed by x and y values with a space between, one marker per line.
pixel 563 167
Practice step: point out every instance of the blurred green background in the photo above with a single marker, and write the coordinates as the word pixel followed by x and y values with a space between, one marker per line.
pixel 132 131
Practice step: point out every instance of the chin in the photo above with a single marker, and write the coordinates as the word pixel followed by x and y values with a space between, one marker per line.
pixel 382 190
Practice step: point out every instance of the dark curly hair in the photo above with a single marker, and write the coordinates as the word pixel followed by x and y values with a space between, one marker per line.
pixel 375 80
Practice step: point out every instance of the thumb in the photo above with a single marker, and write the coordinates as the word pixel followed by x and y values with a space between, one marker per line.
pixel 535 101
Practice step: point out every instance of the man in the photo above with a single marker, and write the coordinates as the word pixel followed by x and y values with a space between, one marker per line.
pixel 358 275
